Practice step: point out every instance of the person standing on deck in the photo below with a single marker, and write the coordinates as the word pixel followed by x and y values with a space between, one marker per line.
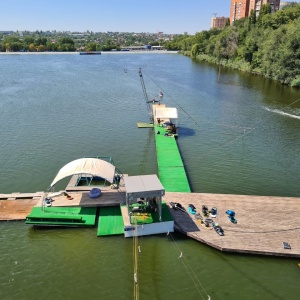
pixel 158 122
pixel 161 95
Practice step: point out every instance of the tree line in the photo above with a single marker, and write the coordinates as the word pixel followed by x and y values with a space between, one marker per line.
pixel 29 43
pixel 46 41
pixel 267 45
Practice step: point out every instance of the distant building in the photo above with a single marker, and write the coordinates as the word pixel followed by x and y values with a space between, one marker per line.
pixel 218 22
pixel 257 4
pixel 238 9
pixel 242 8
pixel 6 32
pixel 144 48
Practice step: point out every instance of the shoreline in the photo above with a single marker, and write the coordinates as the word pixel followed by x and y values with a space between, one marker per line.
pixel 102 52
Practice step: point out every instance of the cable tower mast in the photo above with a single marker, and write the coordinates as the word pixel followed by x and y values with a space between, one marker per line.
pixel 149 106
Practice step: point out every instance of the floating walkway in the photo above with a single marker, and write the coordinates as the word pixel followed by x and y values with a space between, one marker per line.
pixel 17 206
pixel 171 169
pixel 62 216
pixel 110 221
pixel 264 223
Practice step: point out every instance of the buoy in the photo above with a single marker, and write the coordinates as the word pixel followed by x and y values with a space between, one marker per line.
pixel 135 278
pixel 299 265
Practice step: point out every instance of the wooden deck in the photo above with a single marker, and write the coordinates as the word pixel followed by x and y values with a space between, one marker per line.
pixel 15 209
pixel 19 196
pixel 17 206
pixel 263 223
pixel 109 197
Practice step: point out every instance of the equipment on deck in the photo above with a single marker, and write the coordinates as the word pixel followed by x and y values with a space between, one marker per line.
pixel 218 229
pixel 94 193
pixel 213 212
pixel 205 210
pixel 192 209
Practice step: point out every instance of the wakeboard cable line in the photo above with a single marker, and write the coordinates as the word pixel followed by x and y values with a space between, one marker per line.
pixel 187 266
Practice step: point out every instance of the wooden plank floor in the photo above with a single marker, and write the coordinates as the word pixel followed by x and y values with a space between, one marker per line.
pixel 109 197
pixel 263 223
pixel 16 209
pixel 16 196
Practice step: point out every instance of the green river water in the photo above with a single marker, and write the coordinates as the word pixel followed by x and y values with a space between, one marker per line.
pixel 239 134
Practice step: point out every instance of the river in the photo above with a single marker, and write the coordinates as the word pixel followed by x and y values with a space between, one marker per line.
pixel 239 134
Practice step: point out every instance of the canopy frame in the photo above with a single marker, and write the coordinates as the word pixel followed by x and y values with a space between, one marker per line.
pixel 90 166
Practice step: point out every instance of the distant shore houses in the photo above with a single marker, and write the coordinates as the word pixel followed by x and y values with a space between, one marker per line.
pixel 144 48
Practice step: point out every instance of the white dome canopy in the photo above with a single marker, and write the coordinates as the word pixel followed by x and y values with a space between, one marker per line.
pixel 92 166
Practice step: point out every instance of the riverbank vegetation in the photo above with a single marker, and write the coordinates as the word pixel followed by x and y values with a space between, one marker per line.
pixel 40 41
pixel 267 45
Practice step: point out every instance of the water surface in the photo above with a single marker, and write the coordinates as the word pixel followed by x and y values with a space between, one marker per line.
pixel 239 134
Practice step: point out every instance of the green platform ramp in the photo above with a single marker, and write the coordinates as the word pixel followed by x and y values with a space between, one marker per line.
pixel 110 221
pixel 62 216
pixel 170 166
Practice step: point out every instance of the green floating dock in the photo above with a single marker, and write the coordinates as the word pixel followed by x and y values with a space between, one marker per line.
pixel 62 216
pixel 170 166
pixel 110 221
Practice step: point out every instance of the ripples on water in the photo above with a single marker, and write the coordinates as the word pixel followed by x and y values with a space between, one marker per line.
pixel 233 139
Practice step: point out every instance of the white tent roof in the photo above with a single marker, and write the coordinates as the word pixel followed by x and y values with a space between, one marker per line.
pixel 144 183
pixel 143 186
pixel 92 166
pixel 166 113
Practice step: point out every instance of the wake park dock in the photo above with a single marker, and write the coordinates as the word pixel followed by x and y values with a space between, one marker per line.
pixel 263 222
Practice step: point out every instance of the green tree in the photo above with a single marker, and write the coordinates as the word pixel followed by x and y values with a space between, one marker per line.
pixel 265 10
pixel 66 44
pixel 28 40
pixel 195 50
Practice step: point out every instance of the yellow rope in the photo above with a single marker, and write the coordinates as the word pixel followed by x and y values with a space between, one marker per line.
pixel 135 265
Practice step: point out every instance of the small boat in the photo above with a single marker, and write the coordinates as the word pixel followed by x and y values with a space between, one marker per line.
pixel 218 229
pixel 90 53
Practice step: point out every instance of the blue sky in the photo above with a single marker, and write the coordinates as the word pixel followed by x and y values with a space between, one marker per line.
pixel 168 16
